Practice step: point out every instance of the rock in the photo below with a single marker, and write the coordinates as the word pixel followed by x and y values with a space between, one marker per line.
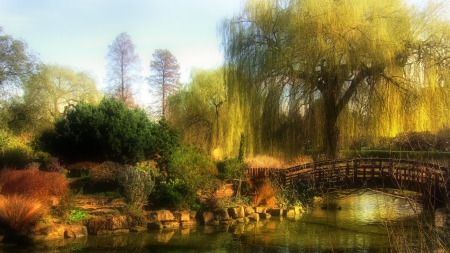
pixel 236 212
pixel 254 217
pixel 261 209
pixel 155 225
pixel 207 217
pixel 290 213
pixel 75 231
pixel 121 231
pixel 45 233
pixel 246 220
pixel 188 223
pixel 276 212
pixel 240 220
pixel 265 215
pixel 162 215
pixel 213 223
pixel 170 224
pixel 249 210
pixel 298 209
pixel 221 214
pixel 182 216
pixel 121 222
pixel 227 222
pixel 104 232
pixel 137 229
pixel 98 224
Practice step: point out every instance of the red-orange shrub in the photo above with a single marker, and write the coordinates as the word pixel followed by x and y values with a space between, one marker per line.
pixel 265 194
pixel 33 183
pixel 19 213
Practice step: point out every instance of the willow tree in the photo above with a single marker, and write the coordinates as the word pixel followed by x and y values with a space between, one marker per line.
pixel 298 52
pixel 199 110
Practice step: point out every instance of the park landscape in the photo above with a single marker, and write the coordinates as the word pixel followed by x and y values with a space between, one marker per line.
pixel 303 83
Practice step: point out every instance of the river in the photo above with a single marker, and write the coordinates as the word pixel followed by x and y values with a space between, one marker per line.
pixel 359 222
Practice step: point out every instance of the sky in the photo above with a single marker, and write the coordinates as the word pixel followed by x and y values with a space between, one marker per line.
pixel 77 33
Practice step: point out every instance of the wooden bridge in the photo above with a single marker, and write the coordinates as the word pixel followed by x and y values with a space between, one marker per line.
pixel 428 178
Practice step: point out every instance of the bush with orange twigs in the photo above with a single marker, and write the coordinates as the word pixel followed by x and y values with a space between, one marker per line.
pixel 265 194
pixel 33 183
pixel 19 213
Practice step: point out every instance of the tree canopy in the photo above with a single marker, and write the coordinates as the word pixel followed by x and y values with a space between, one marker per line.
pixel 165 79
pixel 301 60
pixel 106 132
pixel 123 69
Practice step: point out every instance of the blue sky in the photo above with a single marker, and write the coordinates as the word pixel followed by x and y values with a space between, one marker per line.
pixel 77 33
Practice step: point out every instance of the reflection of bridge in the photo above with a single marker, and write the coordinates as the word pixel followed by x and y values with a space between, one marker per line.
pixel 427 178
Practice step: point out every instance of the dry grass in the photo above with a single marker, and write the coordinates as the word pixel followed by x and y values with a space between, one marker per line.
pixel 264 161
pixel 33 183
pixel 19 213
pixel 265 194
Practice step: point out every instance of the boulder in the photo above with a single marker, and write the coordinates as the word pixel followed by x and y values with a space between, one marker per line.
pixel 221 214
pixel 137 229
pixel 45 233
pixel 161 215
pixel 75 231
pixel 265 215
pixel 276 212
pixel 254 217
pixel 261 209
pixel 121 222
pixel 182 216
pixel 207 217
pixel 249 210
pixel 236 212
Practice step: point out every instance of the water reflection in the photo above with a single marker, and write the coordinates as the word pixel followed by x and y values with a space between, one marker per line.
pixel 349 223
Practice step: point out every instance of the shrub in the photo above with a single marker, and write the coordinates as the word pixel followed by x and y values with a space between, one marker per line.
pixel 192 167
pixel 136 185
pixel 78 216
pixel 232 169
pixel 19 213
pixel 174 195
pixel 81 169
pixel 33 183
pixel 105 173
pixel 14 152
pixel 109 131
pixel 265 194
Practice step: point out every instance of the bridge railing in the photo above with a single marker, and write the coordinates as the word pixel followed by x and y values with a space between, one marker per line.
pixel 353 170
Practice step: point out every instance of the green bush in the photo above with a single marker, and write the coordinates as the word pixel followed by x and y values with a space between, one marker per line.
pixel 78 216
pixel 14 152
pixel 231 169
pixel 106 172
pixel 192 167
pixel 136 185
pixel 109 131
pixel 174 194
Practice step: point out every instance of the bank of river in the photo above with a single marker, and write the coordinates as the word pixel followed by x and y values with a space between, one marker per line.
pixel 359 222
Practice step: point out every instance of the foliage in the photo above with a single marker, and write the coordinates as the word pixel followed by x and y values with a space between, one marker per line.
pixel 14 152
pixel 265 194
pixel 174 194
pixel 191 167
pixel 165 79
pixel 33 183
pixel 123 69
pixel 232 169
pixel 17 64
pixel 109 131
pixel 416 141
pixel 198 110
pixel 80 169
pixel 136 185
pixel 136 214
pixel 300 72
pixel 19 213
pixel 78 216
pixel 106 172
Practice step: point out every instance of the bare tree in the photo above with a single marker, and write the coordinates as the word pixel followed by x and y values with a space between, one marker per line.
pixel 123 69
pixel 166 77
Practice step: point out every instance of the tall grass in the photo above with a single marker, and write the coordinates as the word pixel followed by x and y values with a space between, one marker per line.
pixel 19 213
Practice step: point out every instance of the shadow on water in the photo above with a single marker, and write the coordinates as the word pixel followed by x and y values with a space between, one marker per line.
pixel 357 227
